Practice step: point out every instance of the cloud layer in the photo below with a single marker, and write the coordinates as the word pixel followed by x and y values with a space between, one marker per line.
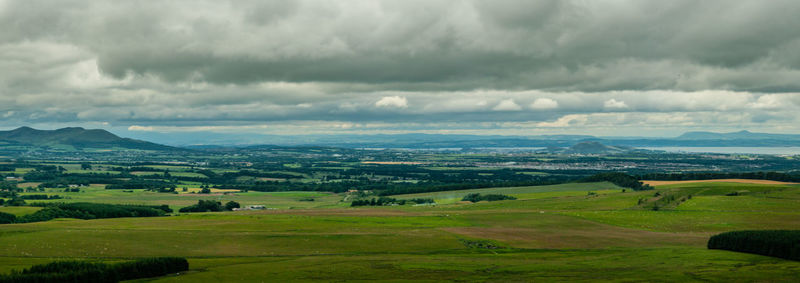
pixel 481 66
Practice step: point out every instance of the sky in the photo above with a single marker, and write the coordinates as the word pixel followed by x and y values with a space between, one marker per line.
pixel 606 68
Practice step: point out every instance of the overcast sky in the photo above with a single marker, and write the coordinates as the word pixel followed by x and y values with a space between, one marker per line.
pixel 653 68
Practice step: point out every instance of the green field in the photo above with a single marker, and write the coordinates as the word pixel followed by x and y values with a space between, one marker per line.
pixel 550 233
pixel 278 200
pixel 19 210
pixel 531 192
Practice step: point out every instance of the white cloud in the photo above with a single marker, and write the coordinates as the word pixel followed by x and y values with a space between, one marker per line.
pixel 507 105
pixel 770 101
pixel 615 104
pixel 544 104
pixel 459 105
pixel 392 101
pixel 565 121
pixel 140 128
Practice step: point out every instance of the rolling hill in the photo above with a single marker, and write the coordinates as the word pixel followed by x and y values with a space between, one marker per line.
pixel 76 137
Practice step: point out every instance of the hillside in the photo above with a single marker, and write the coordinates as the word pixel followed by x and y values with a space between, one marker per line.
pixel 76 137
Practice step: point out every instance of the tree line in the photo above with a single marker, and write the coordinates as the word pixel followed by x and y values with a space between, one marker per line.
pixel 85 210
pixel 150 185
pixel 773 176
pixel 85 271
pixel 776 243
pixel 40 197
pixel 381 201
pixel 619 179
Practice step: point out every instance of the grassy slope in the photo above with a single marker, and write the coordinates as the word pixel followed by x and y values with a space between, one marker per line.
pixel 549 235
pixel 19 210
pixel 448 197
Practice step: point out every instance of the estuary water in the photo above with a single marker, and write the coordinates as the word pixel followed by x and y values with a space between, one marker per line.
pixel 788 150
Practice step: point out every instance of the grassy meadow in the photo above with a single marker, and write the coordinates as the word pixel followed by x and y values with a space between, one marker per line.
pixel 569 232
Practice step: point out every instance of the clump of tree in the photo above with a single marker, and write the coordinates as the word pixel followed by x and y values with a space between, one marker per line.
pixel 476 197
pixel 6 218
pixel 85 271
pixel 231 205
pixel 203 206
pixel 619 179
pixel 422 200
pixel 381 201
pixel 8 186
pixel 86 166
pixel 8 194
pixel 776 243
pixel 210 206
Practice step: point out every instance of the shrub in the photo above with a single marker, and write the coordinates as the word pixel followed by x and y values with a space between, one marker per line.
pixel 776 243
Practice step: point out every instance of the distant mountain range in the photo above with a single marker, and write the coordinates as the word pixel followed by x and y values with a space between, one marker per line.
pixel 78 138
pixel 689 139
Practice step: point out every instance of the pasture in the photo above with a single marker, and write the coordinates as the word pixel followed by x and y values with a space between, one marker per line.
pixel 278 200
pixel 550 233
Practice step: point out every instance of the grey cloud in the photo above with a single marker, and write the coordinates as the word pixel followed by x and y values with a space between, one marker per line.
pixel 502 44
pixel 245 62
